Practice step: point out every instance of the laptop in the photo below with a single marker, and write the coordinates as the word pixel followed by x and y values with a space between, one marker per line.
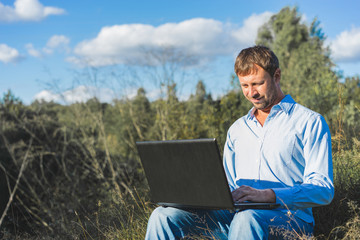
pixel 189 174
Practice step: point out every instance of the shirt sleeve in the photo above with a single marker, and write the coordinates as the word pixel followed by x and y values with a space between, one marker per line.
pixel 317 186
pixel 229 162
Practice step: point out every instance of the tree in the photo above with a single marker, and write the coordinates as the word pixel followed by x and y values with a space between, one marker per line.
pixel 345 114
pixel 308 75
pixel 197 109
pixel 307 69
pixel 165 68
pixel 128 121
pixel 169 115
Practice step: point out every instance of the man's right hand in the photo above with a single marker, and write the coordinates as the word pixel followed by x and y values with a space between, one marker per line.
pixel 247 193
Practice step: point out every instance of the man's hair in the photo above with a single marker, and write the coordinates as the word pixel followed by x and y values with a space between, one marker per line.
pixel 257 55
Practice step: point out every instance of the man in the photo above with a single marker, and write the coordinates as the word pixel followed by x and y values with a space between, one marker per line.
pixel 279 152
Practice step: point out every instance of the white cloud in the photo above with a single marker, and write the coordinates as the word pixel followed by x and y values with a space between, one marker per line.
pixel 204 38
pixel 8 54
pixel 27 10
pixel 346 46
pixel 32 51
pixel 153 94
pixel 132 92
pixel 56 42
pixel 247 34
pixel 48 96
pixel 79 94
pixel 84 93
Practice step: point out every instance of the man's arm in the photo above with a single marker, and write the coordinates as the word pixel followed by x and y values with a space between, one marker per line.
pixel 317 187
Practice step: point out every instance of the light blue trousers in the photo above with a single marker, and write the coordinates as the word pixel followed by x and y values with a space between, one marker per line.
pixel 174 223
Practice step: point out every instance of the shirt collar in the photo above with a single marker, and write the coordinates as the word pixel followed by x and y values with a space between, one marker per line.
pixel 286 105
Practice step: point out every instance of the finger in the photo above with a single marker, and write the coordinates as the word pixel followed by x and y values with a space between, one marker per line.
pixel 248 194
pixel 236 194
pixel 240 196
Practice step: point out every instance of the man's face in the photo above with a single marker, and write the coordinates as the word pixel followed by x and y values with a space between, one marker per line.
pixel 262 90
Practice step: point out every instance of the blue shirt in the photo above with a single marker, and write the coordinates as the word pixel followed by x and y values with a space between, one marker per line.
pixel 291 154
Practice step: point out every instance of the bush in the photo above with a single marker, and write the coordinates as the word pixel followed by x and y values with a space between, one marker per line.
pixel 56 175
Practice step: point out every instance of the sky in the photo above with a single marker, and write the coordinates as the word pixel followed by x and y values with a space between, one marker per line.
pixel 67 51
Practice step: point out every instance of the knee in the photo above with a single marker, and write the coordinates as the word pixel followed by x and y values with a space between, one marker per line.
pixel 157 227
pixel 166 215
pixel 248 224
pixel 168 223
pixel 247 215
pixel 248 218
pixel 160 214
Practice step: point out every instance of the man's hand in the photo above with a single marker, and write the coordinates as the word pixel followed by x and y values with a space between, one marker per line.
pixel 246 193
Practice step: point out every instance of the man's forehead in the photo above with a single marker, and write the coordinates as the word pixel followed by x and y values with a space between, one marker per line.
pixel 259 74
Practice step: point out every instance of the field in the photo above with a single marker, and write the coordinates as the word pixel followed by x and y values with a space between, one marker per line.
pixel 68 177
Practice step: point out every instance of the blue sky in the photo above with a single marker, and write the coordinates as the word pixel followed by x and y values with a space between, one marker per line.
pixel 43 42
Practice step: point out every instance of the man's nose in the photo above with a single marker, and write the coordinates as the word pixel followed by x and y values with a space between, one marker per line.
pixel 252 91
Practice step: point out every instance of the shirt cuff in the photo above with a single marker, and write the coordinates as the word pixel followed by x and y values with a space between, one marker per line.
pixel 285 196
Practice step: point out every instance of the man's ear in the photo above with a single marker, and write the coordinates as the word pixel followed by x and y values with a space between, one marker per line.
pixel 277 75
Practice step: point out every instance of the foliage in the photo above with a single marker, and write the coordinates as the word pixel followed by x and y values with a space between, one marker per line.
pixel 305 63
pixel 126 122
pixel 55 171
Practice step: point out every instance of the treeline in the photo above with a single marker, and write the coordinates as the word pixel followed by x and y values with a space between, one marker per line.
pixel 72 171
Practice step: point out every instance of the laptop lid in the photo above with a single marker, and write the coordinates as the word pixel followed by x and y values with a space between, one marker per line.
pixel 188 174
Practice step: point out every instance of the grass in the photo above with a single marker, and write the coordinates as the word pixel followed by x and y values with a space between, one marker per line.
pixel 97 196
pixel 124 215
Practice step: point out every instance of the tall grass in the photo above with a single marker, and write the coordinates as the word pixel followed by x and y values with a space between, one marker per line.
pixel 65 183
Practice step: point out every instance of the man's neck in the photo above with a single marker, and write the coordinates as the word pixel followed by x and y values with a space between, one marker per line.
pixel 261 116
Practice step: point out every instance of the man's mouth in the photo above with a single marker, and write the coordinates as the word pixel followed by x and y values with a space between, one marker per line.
pixel 256 100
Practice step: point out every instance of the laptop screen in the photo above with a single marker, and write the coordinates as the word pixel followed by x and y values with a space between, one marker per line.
pixel 185 173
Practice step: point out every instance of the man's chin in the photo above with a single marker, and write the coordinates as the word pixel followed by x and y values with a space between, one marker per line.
pixel 258 106
pixel 262 107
